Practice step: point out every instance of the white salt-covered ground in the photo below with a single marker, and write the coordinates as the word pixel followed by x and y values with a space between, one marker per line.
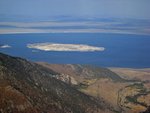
pixel 5 46
pixel 64 47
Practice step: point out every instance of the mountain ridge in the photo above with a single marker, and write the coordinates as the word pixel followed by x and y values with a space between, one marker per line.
pixel 30 88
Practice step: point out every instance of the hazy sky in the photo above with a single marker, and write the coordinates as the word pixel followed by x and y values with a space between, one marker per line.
pixel 93 8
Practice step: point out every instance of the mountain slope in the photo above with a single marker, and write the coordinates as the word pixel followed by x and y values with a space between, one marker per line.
pixel 79 72
pixel 124 93
pixel 26 87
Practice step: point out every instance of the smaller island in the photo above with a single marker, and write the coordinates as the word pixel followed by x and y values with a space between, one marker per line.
pixel 64 47
pixel 5 46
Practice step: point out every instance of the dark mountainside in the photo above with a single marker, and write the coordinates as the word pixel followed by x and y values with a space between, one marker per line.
pixel 27 87
pixel 147 111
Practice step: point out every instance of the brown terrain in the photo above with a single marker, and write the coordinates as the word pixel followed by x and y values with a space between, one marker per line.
pixel 27 87
pixel 126 90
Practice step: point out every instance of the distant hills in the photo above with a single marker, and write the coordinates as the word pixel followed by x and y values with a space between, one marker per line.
pixel 14 24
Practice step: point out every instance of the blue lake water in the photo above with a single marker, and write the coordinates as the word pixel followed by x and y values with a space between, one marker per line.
pixel 121 50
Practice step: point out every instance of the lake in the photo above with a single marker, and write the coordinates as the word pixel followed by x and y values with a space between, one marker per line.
pixel 121 50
